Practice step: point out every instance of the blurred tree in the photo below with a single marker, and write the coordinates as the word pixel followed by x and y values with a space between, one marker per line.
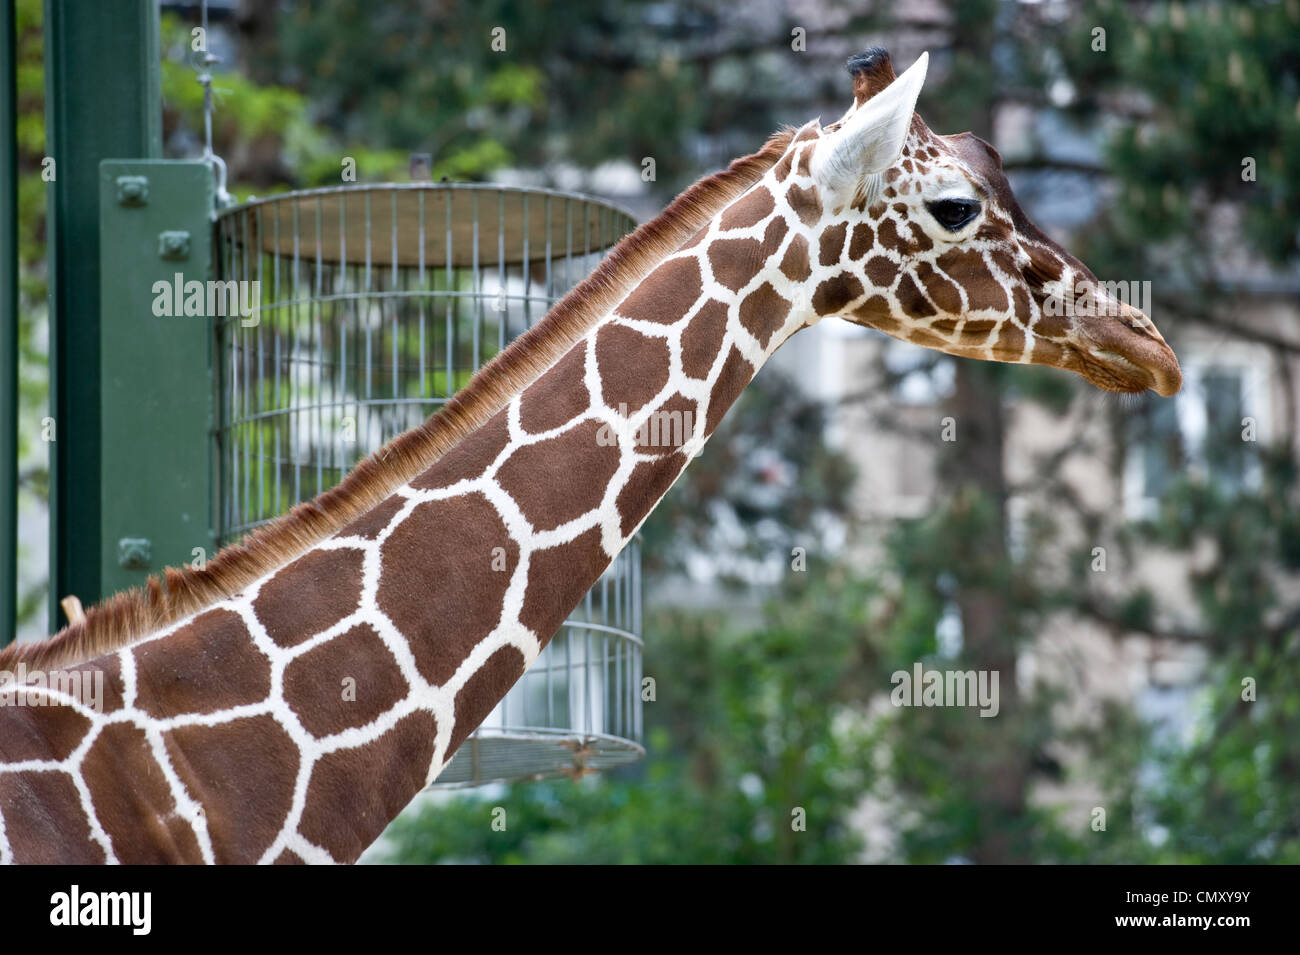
pixel 33 378
pixel 482 85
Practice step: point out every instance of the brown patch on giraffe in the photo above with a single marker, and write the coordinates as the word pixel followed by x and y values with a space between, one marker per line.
pixel 289 857
pixel 876 312
pixel 832 244
pixel 474 456
pixel 890 238
pixel 1043 266
pixel 315 683
pixel 735 261
pixel 1020 300
pixel 668 427
pixel 977 332
pixel 751 209
pixel 703 338
pixel 861 241
pixel 114 687
pixel 648 482
pixel 772 236
pixel 835 293
pixel 481 692
pixel 244 809
pixel 907 166
pixel 1011 340
pixel 736 374
pixel 1052 326
pixel 920 241
pixel 140 819
pixel 371 524
pixel 40 732
pixel 211 663
pixel 968 269
pixel 942 292
pixel 783 168
pixel 805 161
pixel 557 578
pixel 1004 261
pixel 39 829
pixel 763 313
pixel 354 793
pixel 446 552
pixel 994 228
pixel 808 132
pixel 912 299
pixel 806 203
pixel 1047 353
pixel 309 595
pixel 880 271
pixel 900 207
pixel 795 264
pixel 537 475
pixel 632 367
pixel 557 397
pixel 920 336
pixel 666 294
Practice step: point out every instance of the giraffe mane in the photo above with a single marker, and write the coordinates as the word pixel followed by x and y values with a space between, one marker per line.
pixel 178 593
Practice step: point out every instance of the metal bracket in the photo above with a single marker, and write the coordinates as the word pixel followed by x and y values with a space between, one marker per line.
pixel 134 553
pixel 132 190
pixel 174 245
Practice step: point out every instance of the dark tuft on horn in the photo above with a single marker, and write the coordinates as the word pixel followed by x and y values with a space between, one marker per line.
pixel 872 71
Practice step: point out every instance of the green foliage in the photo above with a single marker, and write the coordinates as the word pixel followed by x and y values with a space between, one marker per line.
pixel 1222 82
pixel 579 82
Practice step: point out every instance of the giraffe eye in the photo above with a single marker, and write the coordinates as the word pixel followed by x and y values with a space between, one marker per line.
pixel 952 214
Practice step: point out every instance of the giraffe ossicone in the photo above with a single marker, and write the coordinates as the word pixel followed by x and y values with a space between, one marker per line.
pixel 284 703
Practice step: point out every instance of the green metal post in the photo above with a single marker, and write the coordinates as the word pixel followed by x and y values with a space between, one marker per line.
pixel 156 391
pixel 8 327
pixel 102 101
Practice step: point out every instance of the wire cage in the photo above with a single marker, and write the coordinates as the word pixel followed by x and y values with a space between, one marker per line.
pixel 377 304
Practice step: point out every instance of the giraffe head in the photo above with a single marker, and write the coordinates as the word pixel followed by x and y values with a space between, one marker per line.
pixel 919 236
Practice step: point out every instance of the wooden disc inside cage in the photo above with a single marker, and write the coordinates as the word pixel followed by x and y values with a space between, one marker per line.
pixel 461 225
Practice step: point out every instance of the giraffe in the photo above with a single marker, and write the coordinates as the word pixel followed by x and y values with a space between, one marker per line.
pixel 225 731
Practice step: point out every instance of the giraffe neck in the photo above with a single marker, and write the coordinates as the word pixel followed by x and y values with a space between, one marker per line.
pixel 293 721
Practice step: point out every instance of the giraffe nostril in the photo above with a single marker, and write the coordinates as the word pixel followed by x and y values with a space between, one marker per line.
pixel 1138 322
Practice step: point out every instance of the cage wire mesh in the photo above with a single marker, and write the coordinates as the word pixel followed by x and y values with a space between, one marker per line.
pixel 377 304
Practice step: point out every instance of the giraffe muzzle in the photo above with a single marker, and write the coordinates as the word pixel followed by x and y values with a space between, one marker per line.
pixel 1122 350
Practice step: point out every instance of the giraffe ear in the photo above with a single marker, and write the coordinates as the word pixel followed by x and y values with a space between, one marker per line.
pixel 872 138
